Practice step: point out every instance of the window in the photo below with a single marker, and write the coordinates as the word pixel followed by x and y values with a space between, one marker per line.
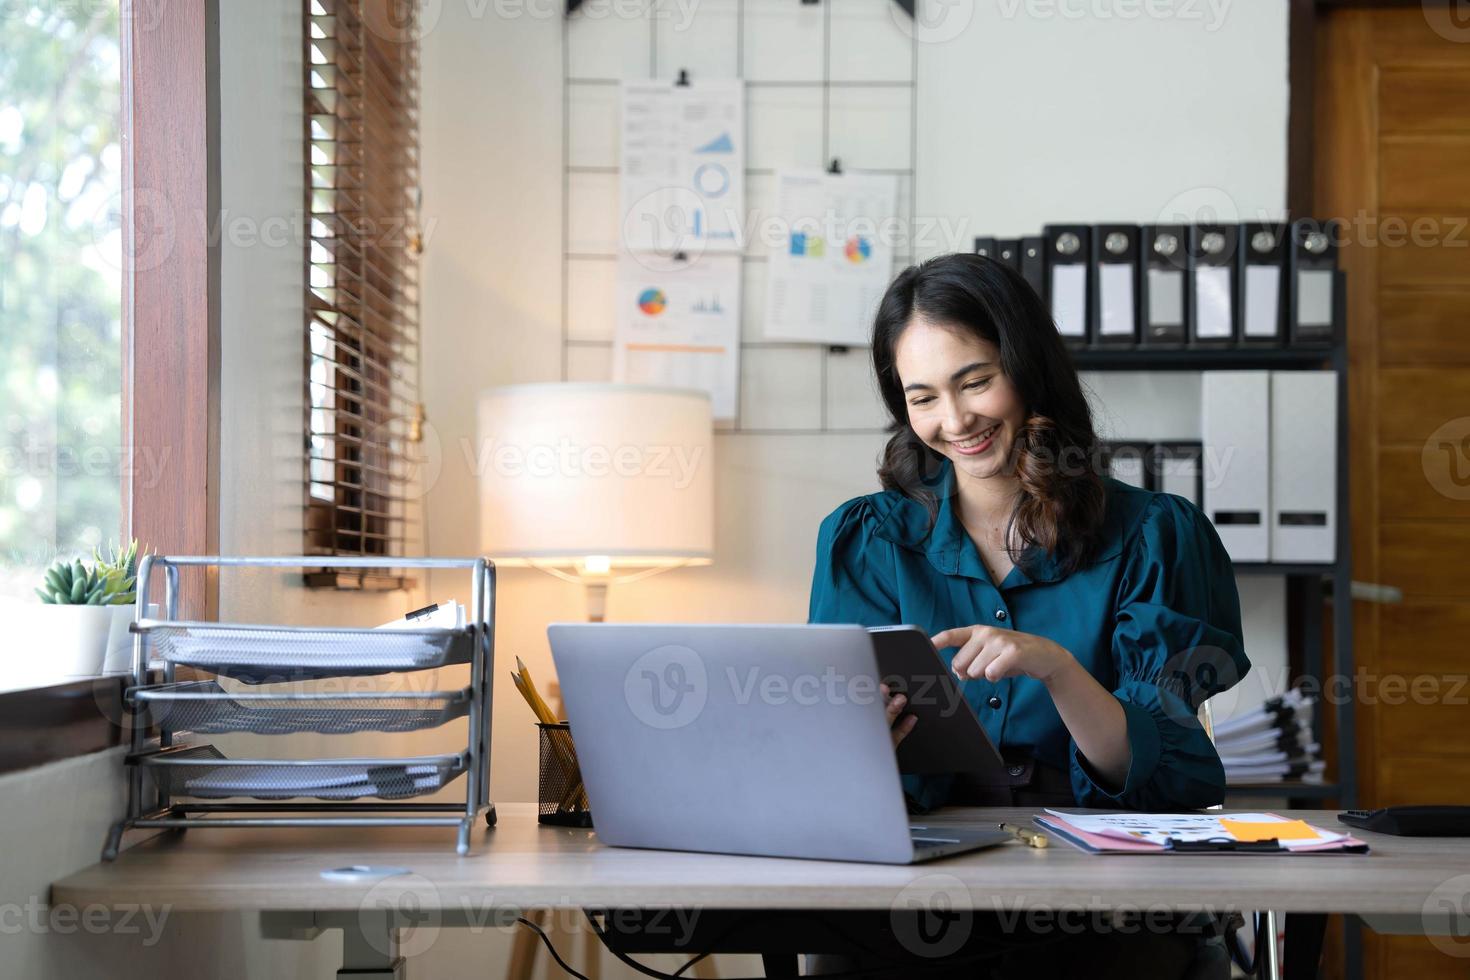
pixel 60 286
pixel 362 290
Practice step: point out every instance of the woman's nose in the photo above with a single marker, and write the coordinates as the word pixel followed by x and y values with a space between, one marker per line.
pixel 956 418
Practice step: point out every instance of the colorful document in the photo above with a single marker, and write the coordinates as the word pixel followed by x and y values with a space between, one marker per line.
pixel 1156 833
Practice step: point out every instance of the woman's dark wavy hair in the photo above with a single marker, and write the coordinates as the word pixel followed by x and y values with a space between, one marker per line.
pixel 1060 510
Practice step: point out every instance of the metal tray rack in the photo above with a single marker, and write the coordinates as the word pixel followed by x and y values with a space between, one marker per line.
pixel 175 782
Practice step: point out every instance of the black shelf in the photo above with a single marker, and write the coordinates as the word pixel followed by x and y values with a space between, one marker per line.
pixel 1314 791
pixel 1310 569
pixel 1200 359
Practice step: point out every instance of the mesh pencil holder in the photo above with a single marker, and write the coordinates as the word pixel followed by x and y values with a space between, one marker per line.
pixel 562 799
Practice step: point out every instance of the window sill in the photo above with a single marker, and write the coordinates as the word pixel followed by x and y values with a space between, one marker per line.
pixel 60 721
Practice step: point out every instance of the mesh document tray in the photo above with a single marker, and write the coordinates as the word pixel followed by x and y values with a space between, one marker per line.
pixel 265 654
pixel 207 708
pixel 204 773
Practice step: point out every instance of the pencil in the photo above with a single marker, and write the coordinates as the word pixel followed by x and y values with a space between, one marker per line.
pixel 531 687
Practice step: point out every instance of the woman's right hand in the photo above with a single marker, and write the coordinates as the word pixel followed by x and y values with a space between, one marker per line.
pixel 894 705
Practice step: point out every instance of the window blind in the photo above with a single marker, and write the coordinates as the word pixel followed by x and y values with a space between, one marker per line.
pixel 362 329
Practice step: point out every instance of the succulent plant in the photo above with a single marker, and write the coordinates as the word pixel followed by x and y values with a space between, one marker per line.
pixel 110 581
pixel 120 567
pixel 70 583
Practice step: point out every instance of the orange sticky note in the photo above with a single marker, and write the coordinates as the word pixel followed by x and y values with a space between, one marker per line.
pixel 1250 830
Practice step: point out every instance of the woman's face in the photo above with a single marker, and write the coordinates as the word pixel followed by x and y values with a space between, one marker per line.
pixel 959 402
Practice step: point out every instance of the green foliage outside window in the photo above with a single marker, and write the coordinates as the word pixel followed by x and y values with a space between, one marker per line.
pixel 61 458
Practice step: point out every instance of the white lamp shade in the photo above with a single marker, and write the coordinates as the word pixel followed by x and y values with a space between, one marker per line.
pixel 596 474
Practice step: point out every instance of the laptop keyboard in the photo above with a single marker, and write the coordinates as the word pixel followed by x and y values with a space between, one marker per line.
pixel 920 843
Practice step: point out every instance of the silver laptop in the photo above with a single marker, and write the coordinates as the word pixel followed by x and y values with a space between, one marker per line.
pixel 767 740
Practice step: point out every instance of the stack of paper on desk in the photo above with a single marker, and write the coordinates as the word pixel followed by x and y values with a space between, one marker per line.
pixel 1160 833
pixel 320 782
pixel 1271 744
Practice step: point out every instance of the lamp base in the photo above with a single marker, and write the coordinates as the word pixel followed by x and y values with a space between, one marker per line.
pixel 596 600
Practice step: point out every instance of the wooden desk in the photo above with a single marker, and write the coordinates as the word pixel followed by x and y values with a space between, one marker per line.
pixel 1405 885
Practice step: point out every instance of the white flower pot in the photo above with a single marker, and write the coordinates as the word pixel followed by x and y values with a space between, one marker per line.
pixel 119 659
pixel 60 643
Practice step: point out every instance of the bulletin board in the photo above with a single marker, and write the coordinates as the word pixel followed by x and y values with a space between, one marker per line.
pixel 824 81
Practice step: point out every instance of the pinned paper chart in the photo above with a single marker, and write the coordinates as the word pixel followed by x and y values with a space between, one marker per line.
pixel 680 327
pixel 683 170
pixel 829 271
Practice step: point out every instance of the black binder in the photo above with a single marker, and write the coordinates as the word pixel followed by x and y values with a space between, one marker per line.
pixel 1033 264
pixel 985 245
pixel 1313 262
pixel 1068 249
pixel 1263 281
pixel 1114 300
pixel 1214 315
pixel 1008 250
pixel 1164 287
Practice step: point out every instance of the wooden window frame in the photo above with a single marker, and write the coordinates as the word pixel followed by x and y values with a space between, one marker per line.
pixel 171 278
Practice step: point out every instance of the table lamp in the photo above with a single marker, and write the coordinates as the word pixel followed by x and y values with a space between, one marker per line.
pixel 596 483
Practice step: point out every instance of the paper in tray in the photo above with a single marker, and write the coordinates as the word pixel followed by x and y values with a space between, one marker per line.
pixel 259 656
pixel 206 708
pixel 323 782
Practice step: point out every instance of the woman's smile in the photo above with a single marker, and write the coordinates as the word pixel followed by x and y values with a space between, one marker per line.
pixel 978 443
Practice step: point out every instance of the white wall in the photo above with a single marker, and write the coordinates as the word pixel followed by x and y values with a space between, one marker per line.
pixel 1021 121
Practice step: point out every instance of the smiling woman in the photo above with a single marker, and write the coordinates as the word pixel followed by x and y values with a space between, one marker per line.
pixel 973 372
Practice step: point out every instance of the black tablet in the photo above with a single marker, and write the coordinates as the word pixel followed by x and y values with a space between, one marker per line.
pixel 948 737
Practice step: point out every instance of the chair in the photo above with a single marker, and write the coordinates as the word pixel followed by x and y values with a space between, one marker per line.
pixel 1267 953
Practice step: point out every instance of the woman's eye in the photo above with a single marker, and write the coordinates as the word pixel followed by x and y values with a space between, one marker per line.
pixel 919 402
pixel 977 384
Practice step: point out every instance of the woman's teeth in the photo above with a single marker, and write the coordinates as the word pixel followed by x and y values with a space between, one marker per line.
pixel 974 441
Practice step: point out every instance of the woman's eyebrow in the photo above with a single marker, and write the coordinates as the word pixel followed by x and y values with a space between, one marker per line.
pixel 953 377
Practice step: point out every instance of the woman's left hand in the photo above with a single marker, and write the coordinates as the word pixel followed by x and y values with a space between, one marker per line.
pixel 995 654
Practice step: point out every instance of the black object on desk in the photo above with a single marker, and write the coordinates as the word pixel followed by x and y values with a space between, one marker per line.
pixel 1412 821
pixel 1228 844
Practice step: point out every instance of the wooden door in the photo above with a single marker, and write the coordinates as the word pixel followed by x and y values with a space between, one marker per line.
pixel 1392 159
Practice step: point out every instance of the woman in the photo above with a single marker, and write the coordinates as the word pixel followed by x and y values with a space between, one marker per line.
pixel 1085 618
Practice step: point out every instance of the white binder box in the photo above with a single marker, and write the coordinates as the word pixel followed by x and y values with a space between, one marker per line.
pixel 1235 415
pixel 1303 466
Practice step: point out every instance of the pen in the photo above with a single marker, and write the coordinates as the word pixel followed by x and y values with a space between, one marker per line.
pixel 1031 837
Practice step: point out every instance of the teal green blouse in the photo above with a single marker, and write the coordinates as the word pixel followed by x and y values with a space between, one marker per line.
pixel 1155 618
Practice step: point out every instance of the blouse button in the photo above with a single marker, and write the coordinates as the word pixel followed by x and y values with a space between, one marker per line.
pixel 1000 614
pixel 994 701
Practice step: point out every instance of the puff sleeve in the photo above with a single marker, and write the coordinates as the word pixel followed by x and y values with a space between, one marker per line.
pixel 1176 641
pixel 854 579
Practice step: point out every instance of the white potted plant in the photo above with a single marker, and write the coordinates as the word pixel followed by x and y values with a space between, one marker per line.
pixel 82 608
